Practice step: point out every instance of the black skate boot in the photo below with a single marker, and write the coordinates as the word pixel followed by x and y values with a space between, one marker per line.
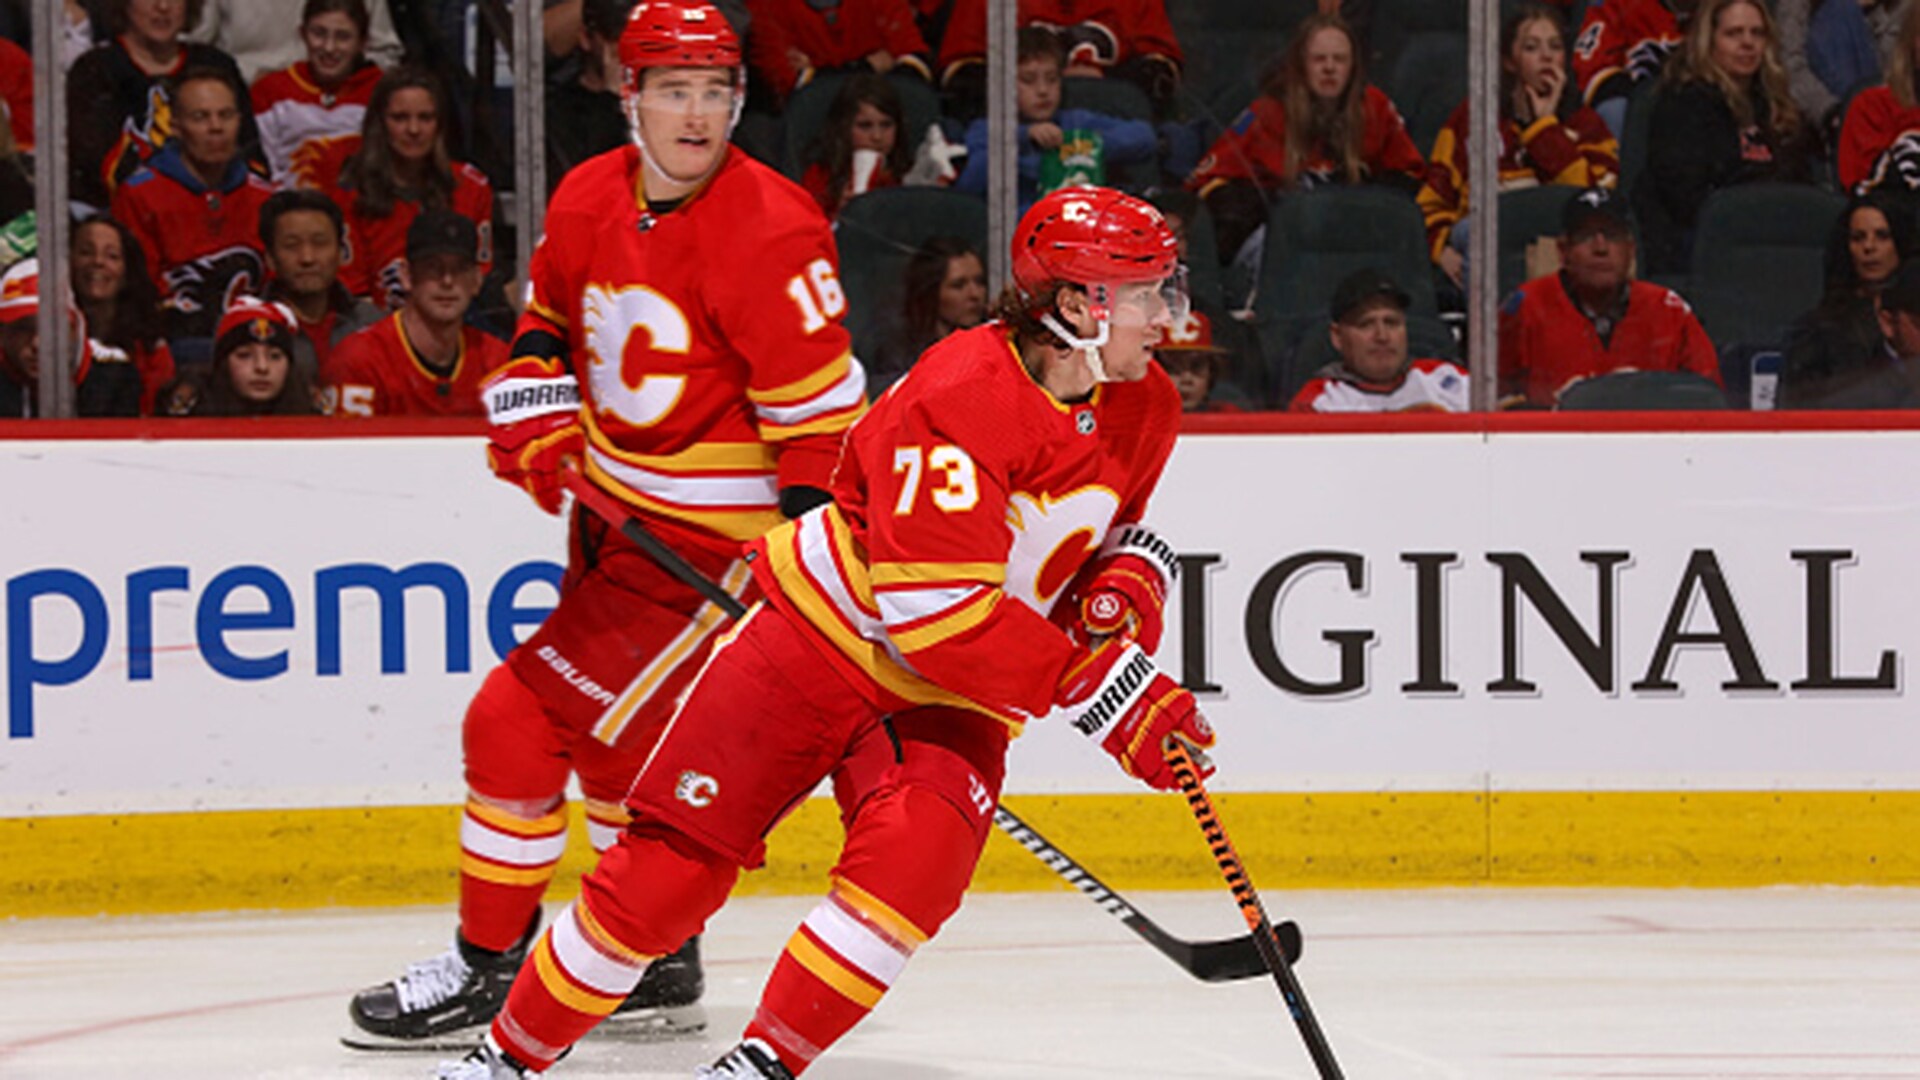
pixel 486 1062
pixel 667 1000
pixel 438 1004
pixel 751 1060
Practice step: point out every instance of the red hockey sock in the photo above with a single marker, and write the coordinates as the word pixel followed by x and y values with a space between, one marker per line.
pixel 908 859
pixel 505 864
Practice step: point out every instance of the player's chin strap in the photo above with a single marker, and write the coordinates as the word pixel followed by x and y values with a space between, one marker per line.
pixel 1089 348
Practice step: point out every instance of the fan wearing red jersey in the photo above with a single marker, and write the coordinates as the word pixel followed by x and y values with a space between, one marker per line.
pixel 910 628
pixel 423 360
pixel 705 391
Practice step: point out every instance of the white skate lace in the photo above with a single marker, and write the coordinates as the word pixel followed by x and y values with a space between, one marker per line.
pixel 430 982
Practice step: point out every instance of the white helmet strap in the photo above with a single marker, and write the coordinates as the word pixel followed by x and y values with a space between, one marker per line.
pixel 1089 348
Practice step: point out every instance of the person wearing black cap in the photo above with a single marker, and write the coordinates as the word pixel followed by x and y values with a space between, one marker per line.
pixel 423 360
pixel 1592 317
pixel 1375 372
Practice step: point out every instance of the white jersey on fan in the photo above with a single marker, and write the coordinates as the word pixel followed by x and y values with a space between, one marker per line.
pixel 1426 386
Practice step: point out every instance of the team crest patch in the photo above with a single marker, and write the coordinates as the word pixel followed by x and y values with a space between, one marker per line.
pixel 1083 422
pixel 696 790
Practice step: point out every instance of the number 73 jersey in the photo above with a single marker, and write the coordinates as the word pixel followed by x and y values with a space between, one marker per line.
pixel 965 505
pixel 707 342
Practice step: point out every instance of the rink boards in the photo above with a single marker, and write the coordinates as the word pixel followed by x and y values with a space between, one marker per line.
pixel 235 668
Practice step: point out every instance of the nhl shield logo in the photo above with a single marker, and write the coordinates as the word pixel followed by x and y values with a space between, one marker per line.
pixel 1083 421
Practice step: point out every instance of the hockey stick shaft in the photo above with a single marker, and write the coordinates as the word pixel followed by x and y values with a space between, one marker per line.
pixel 1209 961
pixel 1252 910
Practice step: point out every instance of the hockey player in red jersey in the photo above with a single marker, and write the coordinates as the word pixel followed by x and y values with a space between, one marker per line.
pixel 708 392
pixel 982 564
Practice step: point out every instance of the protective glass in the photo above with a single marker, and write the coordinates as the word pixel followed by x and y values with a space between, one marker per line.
pixel 699 100
pixel 1142 303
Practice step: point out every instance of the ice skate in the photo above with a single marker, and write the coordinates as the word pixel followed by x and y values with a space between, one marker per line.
pixel 751 1060
pixel 666 1002
pixel 439 1004
pixel 486 1062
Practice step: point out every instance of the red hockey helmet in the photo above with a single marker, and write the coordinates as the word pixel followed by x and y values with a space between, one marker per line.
pixel 1091 235
pixel 678 33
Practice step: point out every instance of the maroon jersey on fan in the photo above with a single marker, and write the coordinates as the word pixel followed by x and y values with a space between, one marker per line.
pixel 712 363
pixel 376 246
pixel 1098 32
pixel 376 372
pixel 964 505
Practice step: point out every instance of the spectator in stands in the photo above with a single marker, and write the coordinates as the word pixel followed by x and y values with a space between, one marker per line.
pixel 122 310
pixel 1880 139
pixel 403 166
pixel 195 209
pixel 16 94
pixel 796 40
pixel 1831 50
pixel 1197 363
pixel 1317 121
pixel 1621 44
pixel 1592 318
pixel 583 112
pixel 946 290
pixel 16 180
pixel 863 146
pixel 423 360
pixel 1374 371
pixel 1058 147
pixel 120 96
pixel 252 374
pixel 1840 341
pixel 305 238
pixel 1123 39
pixel 81 30
pixel 20 351
pixel 1894 383
pixel 1546 135
pixel 311 113
pixel 254 33
pixel 1722 116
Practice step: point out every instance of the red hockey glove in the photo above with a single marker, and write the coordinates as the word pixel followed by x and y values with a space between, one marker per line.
pixel 535 412
pixel 1116 694
pixel 1126 594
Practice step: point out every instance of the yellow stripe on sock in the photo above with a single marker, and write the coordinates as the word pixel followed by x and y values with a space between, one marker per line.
pixel 832 972
pixel 493 816
pixel 506 875
pixel 565 990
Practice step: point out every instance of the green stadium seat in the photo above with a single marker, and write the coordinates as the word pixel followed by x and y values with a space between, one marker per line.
pixel 1644 390
pixel 1758 254
pixel 1427 81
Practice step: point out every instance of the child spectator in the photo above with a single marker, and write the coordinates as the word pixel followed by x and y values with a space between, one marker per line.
pixel 1839 342
pixel 16 94
pixel 1622 43
pixel 1880 139
pixel 1316 121
pixel 583 112
pixel 254 33
pixel 1374 372
pixel 1546 135
pixel 122 310
pixel 1058 147
pixel 120 95
pixel 252 374
pixel 423 360
pixel 946 290
pixel 1194 361
pixel 311 113
pixel 1831 50
pixel 1592 318
pixel 195 208
pixel 862 147
pixel 1722 116
pixel 305 238
pixel 795 40
pixel 1125 39
pixel 403 165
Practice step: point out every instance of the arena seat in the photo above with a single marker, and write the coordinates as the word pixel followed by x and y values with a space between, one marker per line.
pixel 1757 260
pixel 879 231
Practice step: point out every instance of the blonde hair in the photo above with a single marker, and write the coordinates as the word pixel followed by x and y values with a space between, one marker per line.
pixel 1900 71
pixel 1694 63
pixel 1349 113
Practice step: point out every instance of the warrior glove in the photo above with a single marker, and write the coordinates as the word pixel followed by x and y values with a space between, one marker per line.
pixel 1126 588
pixel 535 412
pixel 1117 696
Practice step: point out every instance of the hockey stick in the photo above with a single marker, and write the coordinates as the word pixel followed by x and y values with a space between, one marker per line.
pixel 1201 803
pixel 1208 961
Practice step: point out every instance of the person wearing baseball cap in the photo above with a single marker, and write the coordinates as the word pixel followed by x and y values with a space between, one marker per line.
pixel 423 360
pixel 253 373
pixel 1374 371
pixel 1591 317
pixel 1195 360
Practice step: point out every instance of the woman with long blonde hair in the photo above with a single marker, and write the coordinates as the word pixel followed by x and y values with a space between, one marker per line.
pixel 1317 121
pixel 1880 140
pixel 1722 116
